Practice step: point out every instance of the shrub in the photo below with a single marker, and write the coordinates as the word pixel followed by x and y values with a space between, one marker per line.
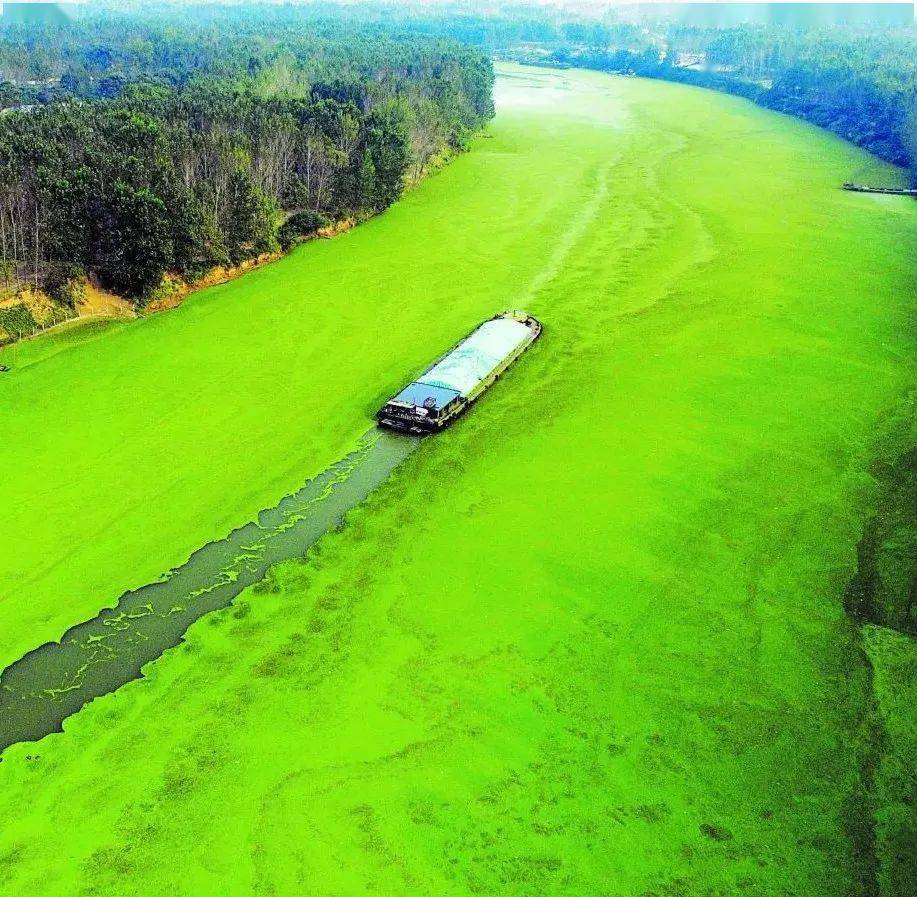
pixel 17 319
pixel 66 284
pixel 302 224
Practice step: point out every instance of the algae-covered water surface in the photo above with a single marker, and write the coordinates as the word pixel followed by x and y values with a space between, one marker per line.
pixel 591 640
pixel 98 656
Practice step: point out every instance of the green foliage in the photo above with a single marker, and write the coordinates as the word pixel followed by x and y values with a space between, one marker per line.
pixel 250 227
pixel 188 148
pixel 17 319
pixel 388 151
pixel 909 135
pixel 302 224
pixel 164 290
pixel 66 283
pixel 7 272
pixel 134 248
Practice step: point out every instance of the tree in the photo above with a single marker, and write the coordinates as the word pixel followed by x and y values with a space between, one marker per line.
pixel 250 226
pixel 133 246
pixel 388 147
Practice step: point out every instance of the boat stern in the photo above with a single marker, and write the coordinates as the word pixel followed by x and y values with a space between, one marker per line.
pixel 419 408
pixel 405 418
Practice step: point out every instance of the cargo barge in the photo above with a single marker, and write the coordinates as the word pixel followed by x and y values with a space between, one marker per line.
pixel 451 384
pixel 890 191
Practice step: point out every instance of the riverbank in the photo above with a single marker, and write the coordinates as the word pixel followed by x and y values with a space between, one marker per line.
pixel 98 304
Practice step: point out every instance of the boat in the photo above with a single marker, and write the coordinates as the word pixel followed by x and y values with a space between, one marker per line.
pixel 451 384
pixel 891 191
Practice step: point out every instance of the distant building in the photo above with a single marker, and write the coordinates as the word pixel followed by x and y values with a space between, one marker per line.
pixel 40 11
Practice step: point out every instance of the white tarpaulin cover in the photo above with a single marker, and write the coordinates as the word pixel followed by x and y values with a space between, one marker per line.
pixel 472 360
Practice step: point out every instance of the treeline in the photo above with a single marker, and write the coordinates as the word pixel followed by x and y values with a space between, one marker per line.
pixel 158 153
pixel 269 49
pixel 859 81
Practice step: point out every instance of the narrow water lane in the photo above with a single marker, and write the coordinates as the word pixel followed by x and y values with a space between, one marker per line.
pixel 47 685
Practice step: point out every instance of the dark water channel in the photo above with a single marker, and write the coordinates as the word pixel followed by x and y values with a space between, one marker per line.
pixel 39 691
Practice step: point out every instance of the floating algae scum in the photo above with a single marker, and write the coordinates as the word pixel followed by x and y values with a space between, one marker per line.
pixel 591 640
pixel 94 658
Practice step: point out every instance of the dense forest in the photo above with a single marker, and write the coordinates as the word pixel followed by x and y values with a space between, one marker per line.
pixel 146 148
pixel 857 80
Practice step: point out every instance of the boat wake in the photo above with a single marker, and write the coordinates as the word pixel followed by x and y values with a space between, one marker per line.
pixel 40 690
